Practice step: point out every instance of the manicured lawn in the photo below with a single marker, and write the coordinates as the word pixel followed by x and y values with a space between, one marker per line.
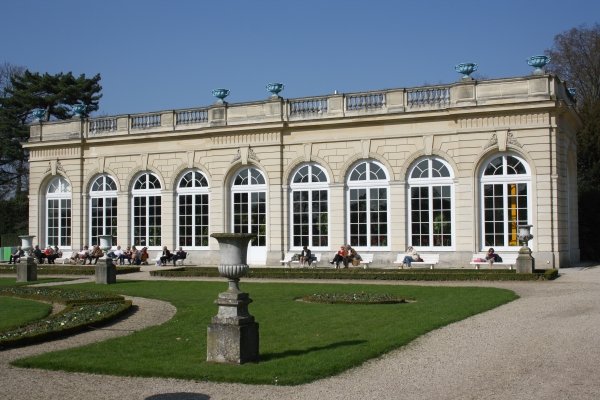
pixel 16 312
pixel 299 342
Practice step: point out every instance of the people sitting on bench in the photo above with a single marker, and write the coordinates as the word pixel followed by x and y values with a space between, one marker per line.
pixel 340 257
pixel 38 254
pixel 95 254
pixel 491 256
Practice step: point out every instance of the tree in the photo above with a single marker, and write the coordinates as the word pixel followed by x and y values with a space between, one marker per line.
pixel 21 92
pixel 576 58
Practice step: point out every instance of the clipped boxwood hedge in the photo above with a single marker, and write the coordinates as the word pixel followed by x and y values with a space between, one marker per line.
pixel 68 269
pixel 83 309
pixel 366 274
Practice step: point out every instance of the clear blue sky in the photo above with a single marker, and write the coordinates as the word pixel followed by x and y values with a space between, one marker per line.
pixel 157 55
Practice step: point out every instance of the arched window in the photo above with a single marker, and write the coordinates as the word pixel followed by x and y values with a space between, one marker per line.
pixel 249 192
pixel 431 194
pixel 58 213
pixel 309 211
pixel 505 181
pixel 146 211
pixel 103 209
pixel 193 210
pixel 368 205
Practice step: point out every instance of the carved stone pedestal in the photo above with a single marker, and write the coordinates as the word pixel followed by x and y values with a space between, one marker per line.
pixel 27 271
pixel 525 262
pixel 233 337
pixel 106 271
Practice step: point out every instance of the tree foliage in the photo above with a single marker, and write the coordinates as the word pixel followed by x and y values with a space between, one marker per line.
pixel 576 58
pixel 21 92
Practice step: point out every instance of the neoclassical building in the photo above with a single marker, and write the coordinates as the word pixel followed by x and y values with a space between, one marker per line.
pixel 450 169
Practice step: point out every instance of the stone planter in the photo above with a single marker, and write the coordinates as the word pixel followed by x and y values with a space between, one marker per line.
pixel 27 271
pixel 232 337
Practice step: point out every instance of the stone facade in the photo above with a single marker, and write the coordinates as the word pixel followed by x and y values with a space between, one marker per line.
pixel 465 125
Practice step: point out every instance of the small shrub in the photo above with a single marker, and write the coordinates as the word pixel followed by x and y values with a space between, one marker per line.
pixel 551 274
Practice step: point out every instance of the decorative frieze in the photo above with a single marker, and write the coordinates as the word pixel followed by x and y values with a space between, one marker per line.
pixel 54 152
pixel 503 121
pixel 243 138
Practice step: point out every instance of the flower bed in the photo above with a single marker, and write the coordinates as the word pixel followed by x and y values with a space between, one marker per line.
pixel 83 310
pixel 354 298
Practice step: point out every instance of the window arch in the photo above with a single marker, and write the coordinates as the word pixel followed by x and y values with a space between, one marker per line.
pixel 505 186
pixel 310 207
pixel 146 210
pixel 193 210
pixel 249 206
pixel 58 213
pixel 368 216
pixel 431 198
pixel 103 209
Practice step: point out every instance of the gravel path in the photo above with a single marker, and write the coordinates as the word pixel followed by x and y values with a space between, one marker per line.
pixel 546 345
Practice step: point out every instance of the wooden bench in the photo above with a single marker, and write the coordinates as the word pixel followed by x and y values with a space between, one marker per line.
pixel 428 260
pixel 288 260
pixel 508 259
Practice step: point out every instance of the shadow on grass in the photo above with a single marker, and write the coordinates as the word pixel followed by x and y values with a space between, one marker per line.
pixel 289 353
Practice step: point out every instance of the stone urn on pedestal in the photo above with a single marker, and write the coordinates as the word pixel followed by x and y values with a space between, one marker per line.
pixel 525 262
pixel 232 337
pixel 106 270
pixel 27 271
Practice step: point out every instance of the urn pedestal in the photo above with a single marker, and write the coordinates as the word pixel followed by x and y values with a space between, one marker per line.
pixel 232 337
pixel 26 271
pixel 106 270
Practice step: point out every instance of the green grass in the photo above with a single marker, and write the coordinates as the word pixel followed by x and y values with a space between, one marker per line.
pixel 16 312
pixel 299 342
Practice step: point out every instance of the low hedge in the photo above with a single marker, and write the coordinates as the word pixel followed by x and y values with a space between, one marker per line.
pixel 67 269
pixel 363 274
pixel 83 310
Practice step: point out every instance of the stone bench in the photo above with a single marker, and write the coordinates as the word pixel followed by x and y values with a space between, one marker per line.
pixel 428 260
pixel 508 259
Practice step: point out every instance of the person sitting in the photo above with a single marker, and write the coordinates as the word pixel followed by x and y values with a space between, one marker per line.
pixel 74 258
pixel 128 255
pixel 136 255
pixel 353 257
pixel 491 257
pixel 340 257
pixel 166 256
pixel 179 255
pixel 115 254
pixel 410 256
pixel 57 252
pixel 38 254
pixel 95 254
pixel 84 254
pixel 49 254
pixel 305 256
pixel 143 256
pixel 16 256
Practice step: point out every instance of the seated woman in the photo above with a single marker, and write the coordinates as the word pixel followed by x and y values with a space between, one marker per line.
pixel 50 256
pixel 127 254
pixel 144 256
pixel 492 257
pixel 411 255
pixel 353 257
pixel 340 257
pixel 305 256
pixel 95 254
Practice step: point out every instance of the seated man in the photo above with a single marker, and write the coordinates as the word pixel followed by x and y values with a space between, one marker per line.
pixel 84 254
pixel 38 254
pixel 166 256
pixel 16 256
pixel 179 255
